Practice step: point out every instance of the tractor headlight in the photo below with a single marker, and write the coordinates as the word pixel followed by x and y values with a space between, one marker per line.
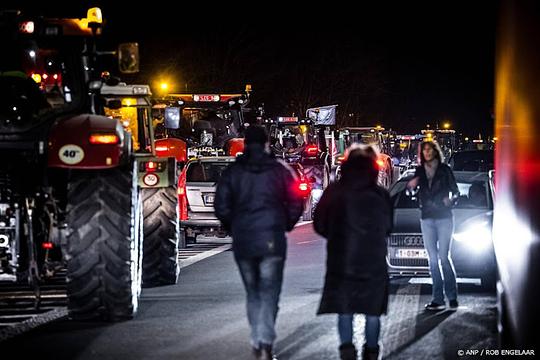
pixel 477 236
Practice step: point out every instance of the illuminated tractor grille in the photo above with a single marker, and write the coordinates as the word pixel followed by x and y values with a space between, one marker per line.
pixel 405 241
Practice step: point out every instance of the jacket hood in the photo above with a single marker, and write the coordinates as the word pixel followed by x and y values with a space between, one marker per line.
pixel 256 159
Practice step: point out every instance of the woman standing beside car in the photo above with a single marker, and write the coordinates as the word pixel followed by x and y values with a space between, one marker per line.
pixel 435 182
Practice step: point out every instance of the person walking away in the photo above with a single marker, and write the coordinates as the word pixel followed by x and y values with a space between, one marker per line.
pixel 434 181
pixel 256 200
pixel 355 215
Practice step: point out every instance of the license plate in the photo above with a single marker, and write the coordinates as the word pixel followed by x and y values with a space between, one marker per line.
pixel 206 98
pixel 209 199
pixel 411 254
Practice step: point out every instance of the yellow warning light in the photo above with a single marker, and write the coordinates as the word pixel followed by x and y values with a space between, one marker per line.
pixel 303 129
pixel 94 16
pixel 248 88
pixel 129 102
pixel 164 86
pixel 36 78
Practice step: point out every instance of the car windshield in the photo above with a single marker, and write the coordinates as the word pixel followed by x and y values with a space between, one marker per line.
pixel 473 195
pixel 205 171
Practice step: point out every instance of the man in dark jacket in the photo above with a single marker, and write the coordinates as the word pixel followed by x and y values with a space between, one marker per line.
pixel 355 215
pixel 257 200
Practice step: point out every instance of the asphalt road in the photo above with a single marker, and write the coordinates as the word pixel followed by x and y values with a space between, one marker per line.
pixel 203 317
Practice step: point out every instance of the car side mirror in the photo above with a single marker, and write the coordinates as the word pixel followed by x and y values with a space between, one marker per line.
pixel 172 118
pixel 128 58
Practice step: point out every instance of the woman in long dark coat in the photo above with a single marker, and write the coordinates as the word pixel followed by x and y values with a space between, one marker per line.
pixel 355 215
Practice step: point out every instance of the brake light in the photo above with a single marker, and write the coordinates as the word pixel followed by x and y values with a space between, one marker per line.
pixel 312 150
pixel 47 245
pixel 151 166
pixel 303 189
pixel 182 197
pixel 340 159
pixel 104 139
pixel 162 148
pixel 380 164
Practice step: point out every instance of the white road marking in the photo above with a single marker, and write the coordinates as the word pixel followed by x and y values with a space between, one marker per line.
pixel 427 280
pixel 206 254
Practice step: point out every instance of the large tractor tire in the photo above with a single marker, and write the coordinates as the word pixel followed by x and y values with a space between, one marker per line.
pixel 161 236
pixel 104 244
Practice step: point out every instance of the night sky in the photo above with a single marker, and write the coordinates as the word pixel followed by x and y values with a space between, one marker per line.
pixel 400 65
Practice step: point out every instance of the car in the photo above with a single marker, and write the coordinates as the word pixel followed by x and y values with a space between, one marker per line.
pixel 197 188
pixel 472 248
pixel 472 160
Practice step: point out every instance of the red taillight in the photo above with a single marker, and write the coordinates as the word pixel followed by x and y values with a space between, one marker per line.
pixel 303 189
pixel 182 197
pixel 312 150
pixel 47 245
pixel 104 139
pixel 380 164
pixel 340 159
pixel 162 148
pixel 151 166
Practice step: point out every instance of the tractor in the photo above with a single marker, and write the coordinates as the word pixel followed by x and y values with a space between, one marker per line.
pixel 304 142
pixel 69 178
pixel 209 124
pixel 377 137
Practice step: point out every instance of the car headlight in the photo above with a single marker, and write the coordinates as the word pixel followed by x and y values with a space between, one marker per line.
pixel 476 236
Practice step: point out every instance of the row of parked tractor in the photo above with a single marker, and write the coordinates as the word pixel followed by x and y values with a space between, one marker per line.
pixel 102 180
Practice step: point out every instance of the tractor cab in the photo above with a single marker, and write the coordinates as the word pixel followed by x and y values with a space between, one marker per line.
pixel 291 137
pixel 42 78
pixel 208 124
pixel 374 136
pixel 131 105
pixel 205 119
pixel 445 137
pixel 404 150
pixel 380 140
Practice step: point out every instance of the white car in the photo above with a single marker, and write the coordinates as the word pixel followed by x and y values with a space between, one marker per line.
pixel 197 188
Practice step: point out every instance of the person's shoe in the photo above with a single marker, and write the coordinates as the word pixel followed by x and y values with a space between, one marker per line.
pixel 347 351
pixel 370 353
pixel 453 304
pixel 433 306
pixel 266 352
